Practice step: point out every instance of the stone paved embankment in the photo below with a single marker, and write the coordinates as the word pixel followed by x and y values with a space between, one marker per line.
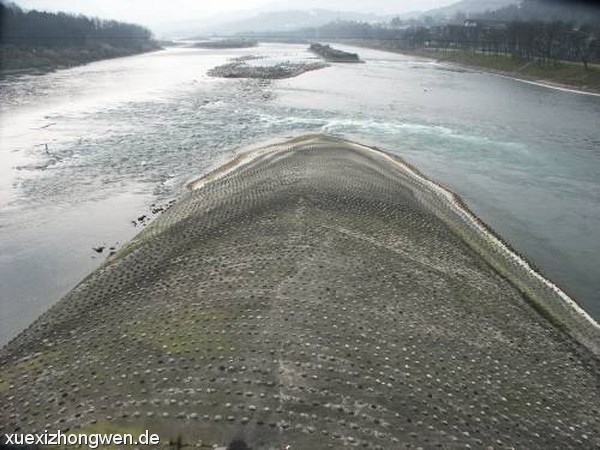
pixel 315 295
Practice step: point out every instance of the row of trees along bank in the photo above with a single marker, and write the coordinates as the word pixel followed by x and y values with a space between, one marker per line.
pixel 38 38
pixel 544 31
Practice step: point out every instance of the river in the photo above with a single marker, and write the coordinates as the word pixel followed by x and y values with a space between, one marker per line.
pixel 87 151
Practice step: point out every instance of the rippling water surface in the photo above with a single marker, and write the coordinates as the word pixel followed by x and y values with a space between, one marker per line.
pixel 85 152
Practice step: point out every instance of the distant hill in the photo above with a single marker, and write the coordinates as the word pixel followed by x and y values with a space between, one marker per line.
pixel 469 7
pixel 577 12
pixel 286 20
pixel 574 11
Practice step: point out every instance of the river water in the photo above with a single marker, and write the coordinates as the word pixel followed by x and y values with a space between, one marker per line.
pixel 87 151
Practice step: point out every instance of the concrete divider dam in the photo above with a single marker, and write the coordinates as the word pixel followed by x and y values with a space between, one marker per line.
pixel 312 294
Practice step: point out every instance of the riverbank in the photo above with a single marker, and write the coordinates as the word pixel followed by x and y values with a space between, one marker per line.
pixel 14 60
pixel 561 74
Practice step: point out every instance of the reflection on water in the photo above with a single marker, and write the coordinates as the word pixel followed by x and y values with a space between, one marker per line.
pixel 86 150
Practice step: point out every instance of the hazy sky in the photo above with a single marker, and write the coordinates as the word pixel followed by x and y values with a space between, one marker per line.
pixel 154 12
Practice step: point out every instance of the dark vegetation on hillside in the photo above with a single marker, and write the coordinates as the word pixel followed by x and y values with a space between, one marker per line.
pixel 544 31
pixel 37 39
pixel 574 12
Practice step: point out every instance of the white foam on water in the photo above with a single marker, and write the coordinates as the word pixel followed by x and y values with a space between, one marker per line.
pixel 377 128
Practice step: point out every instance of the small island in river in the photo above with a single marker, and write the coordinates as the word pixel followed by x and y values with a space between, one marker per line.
pixel 226 43
pixel 333 54
pixel 239 68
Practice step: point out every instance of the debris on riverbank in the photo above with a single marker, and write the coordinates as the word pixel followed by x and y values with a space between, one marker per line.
pixel 155 210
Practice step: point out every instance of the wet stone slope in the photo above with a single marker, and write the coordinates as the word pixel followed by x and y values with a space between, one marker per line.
pixel 305 298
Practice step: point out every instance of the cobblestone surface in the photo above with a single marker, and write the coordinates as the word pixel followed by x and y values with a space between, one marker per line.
pixel 308 297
